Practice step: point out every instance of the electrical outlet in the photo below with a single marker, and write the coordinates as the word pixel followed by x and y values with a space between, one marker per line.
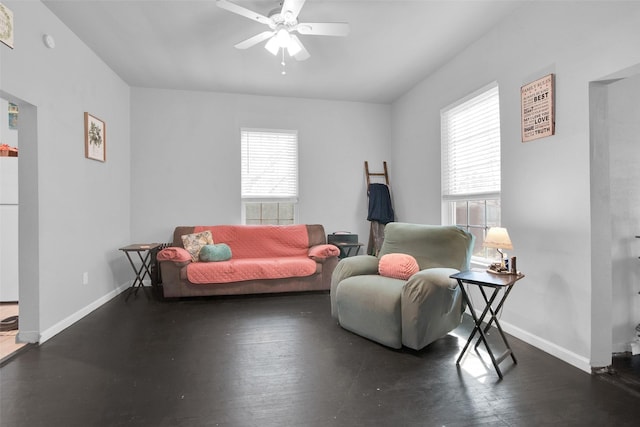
pixel 85 278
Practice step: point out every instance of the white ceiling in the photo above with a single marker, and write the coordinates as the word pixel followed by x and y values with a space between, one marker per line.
pixel 182 44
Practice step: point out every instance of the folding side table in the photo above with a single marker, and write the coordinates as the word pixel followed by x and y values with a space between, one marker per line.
pixel 345 241
pixel 348 249
pixel 493 284
pixel 144 252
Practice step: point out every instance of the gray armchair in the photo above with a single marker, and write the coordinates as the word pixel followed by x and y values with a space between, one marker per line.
pixel 396 312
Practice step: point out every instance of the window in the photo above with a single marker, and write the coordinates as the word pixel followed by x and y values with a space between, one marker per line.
pixel 470 135
pixel 269 163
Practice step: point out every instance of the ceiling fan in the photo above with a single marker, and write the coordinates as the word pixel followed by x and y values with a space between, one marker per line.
pixel 283 24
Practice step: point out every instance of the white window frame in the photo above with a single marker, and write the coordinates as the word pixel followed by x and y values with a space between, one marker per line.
pixel 282 195
pixel 475 153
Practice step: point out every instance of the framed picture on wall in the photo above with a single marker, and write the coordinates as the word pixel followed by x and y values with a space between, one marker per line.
pixel 6 26
pixel 95 138
pixel 13 116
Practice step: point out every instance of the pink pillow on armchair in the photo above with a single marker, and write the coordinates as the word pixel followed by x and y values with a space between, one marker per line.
pixel 398 266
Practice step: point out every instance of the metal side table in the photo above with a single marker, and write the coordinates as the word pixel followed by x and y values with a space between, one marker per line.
pixel 144 252
pixel 490 286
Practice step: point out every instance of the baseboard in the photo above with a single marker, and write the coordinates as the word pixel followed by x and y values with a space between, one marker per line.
pixel 30 337
pixel 70 320
pixel 555 350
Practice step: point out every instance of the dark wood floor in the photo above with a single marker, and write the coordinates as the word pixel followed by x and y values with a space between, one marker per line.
pixel 282 361
pixel 625 372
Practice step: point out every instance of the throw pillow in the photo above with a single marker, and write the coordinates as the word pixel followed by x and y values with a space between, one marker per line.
pixel 194 242
pixel 219 252
pixel 398 266
pixel 173 254
pixel 323 251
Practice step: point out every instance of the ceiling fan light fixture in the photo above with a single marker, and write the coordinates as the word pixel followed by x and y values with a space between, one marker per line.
pixel 283 25
pixel 272 46
pixel 294 47
pixel 283 37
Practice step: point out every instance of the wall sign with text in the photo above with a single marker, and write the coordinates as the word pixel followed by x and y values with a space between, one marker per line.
pixel 537 107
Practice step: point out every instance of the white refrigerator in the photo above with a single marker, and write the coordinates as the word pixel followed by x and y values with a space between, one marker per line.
pixel 8 229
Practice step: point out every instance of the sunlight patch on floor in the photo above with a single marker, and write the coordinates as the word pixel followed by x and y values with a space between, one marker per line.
pixel 473 362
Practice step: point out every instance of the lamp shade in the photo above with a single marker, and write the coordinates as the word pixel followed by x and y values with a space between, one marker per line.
pixel 294 47
pixel 497 237
pixel 283 37
pixel 272 46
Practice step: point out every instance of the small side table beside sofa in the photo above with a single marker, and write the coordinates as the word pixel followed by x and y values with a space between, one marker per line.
pixel 146 254
pixel 490 285
pixel 347 242
pixel 348 249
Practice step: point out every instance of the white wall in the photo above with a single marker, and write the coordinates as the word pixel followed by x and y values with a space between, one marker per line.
pixel 545 183
pixel 77 210
pixel 624 170
pixel 186 157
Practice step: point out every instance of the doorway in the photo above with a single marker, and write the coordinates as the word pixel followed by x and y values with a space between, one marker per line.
pixel 8 228
pixel 27 256
pixel 614 103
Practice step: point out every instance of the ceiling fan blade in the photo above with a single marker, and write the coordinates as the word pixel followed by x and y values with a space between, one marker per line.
pixel 323 28
pixel 252 41
pixel 302 54
pixel 293 7
pixel 232 7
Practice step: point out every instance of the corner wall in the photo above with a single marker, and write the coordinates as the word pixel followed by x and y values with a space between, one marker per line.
pixel 186 157
pixel 545 183
pixel 80 208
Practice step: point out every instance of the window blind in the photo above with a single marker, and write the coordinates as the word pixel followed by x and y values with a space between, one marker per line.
pixel 269 163
pixel 470 133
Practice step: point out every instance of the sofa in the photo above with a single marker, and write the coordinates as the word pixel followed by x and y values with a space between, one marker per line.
pixel 246 259
pixel 404 296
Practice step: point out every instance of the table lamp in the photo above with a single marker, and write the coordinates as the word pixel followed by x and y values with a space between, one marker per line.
pixel 498 237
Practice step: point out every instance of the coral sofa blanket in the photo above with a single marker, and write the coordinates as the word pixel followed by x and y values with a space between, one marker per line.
pixel 260 252
pixel 261 241
pixel 238 270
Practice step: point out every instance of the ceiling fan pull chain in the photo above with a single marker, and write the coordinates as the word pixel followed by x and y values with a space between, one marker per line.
pixel 283 63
